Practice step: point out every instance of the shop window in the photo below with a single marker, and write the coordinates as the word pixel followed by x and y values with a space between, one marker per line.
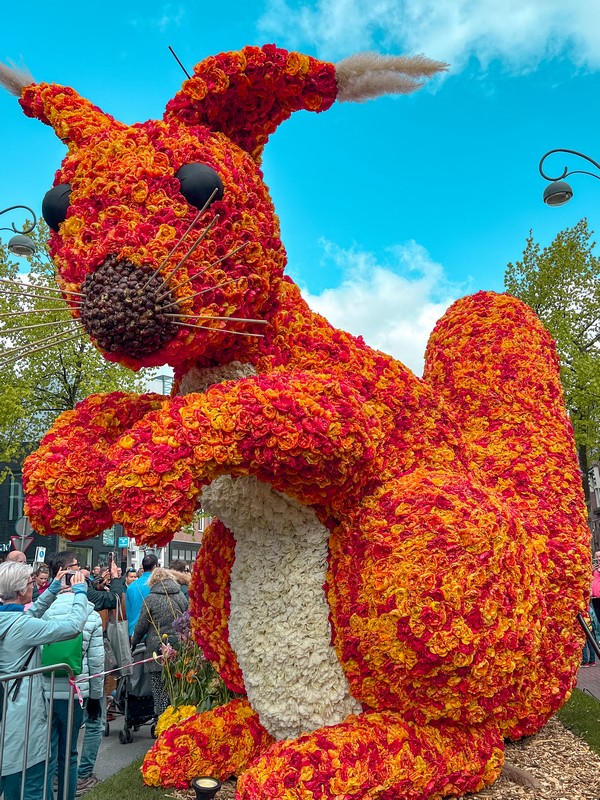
pixel 15 497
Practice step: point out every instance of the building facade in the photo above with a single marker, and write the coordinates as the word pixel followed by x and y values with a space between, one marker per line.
pixel 186 543
pixel 16 534
pixel 594 483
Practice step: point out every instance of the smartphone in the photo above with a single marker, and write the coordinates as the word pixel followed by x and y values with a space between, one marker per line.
pixel 68 577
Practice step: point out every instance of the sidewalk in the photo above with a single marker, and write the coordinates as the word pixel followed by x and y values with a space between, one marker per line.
pixel 114 756
pixel 588 680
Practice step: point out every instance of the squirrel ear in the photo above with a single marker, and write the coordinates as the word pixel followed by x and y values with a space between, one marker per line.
pixel 366 75
pixel 247 94
pixel 73 117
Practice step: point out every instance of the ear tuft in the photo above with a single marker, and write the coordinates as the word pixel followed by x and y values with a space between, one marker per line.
pixel 367 75
pixel 14 79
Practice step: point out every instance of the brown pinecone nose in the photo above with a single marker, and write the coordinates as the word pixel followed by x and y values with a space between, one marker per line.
pixel 125 311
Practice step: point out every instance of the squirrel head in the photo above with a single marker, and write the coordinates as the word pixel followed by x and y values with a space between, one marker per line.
pixel 164 231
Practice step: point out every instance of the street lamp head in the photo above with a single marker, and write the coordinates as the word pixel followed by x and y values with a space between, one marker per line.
pixel 557 193
pixel 21 245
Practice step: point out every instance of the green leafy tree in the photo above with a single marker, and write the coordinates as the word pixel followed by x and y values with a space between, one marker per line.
pixel 47 363
pixel 561 283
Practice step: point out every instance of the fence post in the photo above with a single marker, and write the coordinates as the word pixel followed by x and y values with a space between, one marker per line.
pixel 19 725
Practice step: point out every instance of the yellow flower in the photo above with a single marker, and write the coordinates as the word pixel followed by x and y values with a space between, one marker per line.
pixel 152 775
pixel 72 226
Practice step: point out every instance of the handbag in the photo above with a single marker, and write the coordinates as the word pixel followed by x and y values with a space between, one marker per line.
pixel 117 634
pixel 110 662
pixel 69 652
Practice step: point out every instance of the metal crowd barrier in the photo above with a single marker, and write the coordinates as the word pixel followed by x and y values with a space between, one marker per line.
pixel 589 635
pixel 32 714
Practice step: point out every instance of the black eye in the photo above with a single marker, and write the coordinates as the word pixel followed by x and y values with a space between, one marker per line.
pixel 55 205
pixel 198 182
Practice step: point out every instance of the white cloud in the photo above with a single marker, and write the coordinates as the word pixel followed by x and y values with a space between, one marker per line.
pixel 169 15
pixel 518 32
pixel 395 306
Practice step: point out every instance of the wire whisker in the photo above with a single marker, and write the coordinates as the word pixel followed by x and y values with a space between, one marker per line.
pixel 27 345
pixel 183 283
pixel 43 288
pixel 35 311
pixel 189 252
pixel 6 331
pixel 231 319
pixel 28 353
pixel 203 291
pixel 173 249
pixel 184 235
pixel 218 330
pixel 5 293
pixel 26 350
pixel 202 271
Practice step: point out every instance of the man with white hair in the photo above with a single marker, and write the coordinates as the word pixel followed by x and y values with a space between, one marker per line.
pixel 17 556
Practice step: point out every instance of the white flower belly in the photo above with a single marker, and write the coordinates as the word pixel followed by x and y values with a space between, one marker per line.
pixel 279 620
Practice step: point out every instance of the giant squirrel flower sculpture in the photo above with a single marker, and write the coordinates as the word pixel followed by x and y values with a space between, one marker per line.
pixel 396 564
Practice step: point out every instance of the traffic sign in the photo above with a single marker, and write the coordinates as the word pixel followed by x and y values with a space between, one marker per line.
pixel 21 542
pixel 123 541
pixel 40 554
pixel 23 527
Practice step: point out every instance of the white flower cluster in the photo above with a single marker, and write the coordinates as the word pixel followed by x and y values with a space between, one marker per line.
pixel 279 624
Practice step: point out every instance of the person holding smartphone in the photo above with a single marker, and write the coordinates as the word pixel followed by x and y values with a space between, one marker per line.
pixel 22 634
pixel 65 561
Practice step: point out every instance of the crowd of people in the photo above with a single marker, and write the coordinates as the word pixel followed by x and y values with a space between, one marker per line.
pixel 65 602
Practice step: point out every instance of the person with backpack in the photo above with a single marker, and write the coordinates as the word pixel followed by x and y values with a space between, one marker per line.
pixel 86 658
pixel 163 604
pixel 22 635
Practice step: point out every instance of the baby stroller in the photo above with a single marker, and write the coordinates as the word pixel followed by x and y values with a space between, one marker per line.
pixel 133 699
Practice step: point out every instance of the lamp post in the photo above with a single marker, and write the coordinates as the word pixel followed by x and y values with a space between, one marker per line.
pixel 20 244
pixel 558 192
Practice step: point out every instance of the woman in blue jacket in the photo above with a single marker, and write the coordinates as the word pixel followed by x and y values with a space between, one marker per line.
pixel 89 681
pixel 22 633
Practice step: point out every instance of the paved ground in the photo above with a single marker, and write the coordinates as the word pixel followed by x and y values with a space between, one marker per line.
pixel 113 755
pixel 588 680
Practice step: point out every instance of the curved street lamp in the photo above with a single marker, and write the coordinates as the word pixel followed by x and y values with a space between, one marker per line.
pixel 558 192
pixel 20 245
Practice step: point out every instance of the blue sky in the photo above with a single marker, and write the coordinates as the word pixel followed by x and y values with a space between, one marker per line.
pixel 392 208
